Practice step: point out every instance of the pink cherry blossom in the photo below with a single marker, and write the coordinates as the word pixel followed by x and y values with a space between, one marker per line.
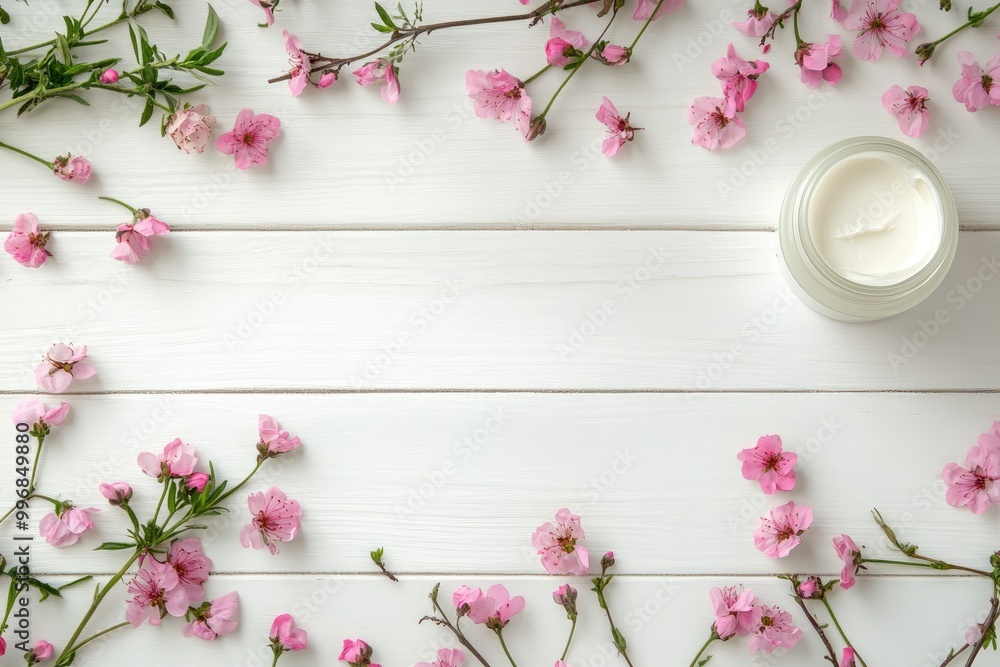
pixel 991 441
pixel 382 70
pixel 645 8
pixel 496 608
pixel 26 243
pixel 816 64
pixel 880 24
pixel 326 79
pixel 266 5
pixel 39 416
pixel 109 76
pixel 67 527
pixel 197 481
pixel 500 95
pixel 192 566
pixel 557 544
pixel 778 535
pixel 63 364
pixel 273 440
pixel 715 122
pixel 250 138
pixel 177 460
pixel 117 493
pixel 464 597
pixel 446 657
pixel 736 611
pixel 286 636
pixel 769 465
pixel 154 590
pixel 299 61
pixel 190 128
pixel 810 588
pixel 563 44
pixel 133 238
pixel 976 486
pixel 356 652
pixel 738 76
pixel 776 631
pixel 910 108
pixel 72 168
pixel 42 651
pixel 618 130
pixel 615 55
pixel 838 12
pixel 275 519
pixel 847 657
pixel 977 88
pixel 213 620
pixel 850 553
pixel 757 24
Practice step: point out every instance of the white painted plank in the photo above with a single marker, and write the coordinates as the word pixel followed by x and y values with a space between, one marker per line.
pixel 468 310
pixel 348 160
pixel 445 487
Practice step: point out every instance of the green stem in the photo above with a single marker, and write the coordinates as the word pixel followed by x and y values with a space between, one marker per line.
pixel 241 484
pixel 71 644
pixel 173 530
pixel 645 25
pixel 51 500
pixel 894 562
pixel 978 21
pixel 795 24
pixel 120 203
pixel 504 645
pixel 166 487
pixel 18 150
pixel 277 654
pixel 124 17
pixel 840 630
pixel 537 74
pixel 570 640
pixel 101 633
pixel 929 562
pixel 14 508
pixel 704 647
pixel 34 468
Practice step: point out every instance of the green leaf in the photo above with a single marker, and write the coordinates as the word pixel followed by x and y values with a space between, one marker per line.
pixel 211 28
pixel 63 46
pixel 384 15
pixel 75 98
pixel 619 639
pixel 212 56
pixel 114 546
pixel 4 16
pixel 210 71
pixel 45 589
pixel 381 28
pixel 702 663
pixel 165 8
pixel 135 44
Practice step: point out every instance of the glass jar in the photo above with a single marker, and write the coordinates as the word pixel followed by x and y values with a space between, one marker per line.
pixel 868 229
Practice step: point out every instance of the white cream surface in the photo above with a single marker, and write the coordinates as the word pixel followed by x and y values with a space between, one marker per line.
pixel 873 218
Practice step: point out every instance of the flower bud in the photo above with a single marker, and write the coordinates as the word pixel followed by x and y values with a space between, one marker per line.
pixel 565 596
pixel 810 589
pixel 197 481
pixel 945 5
pixel 608 560
pixel 536 129
pixel 117 493
pixel 327 79
pixel 995 559
pixel 925 51
pixel 109 76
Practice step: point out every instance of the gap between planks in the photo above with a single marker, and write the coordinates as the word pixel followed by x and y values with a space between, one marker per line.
pixel 519 575
pixel 180 227
pixel 363 391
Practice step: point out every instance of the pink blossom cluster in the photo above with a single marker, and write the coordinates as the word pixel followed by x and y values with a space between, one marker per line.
pixel 977 484
pixel 739 613
pixel 979 87
pixel 494 608
pixel 716 120
pixel 190 128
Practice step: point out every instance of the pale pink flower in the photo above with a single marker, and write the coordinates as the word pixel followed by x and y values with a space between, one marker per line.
pixel 273 440
pixel 133 238
pixel 500 95
pixel 72 168
pixel 275 519
pixel 757 24
pixel 154 593
pixel 847 657
pixel 382 70
pixel 43 651
pixel 880 24
pixel 810 589
pixel 816 64
pixel 192 566
pixel 974 634
pixel 117 493
pixel 38 415
pixel 738 76
pixel 715 122
pixel 177 460
pixel 464 597
pixel 63 364
pixel 976 486
pixel 356 652
pixel 615 55
pixel 26 243
pixel 769 465
pixel 212 620
pixel 446 657
pixel 248 142
pixel 67 527
pixel 266 5
pixel 838 12
pixel 326 79
pixel 190 128
pixel 618 130
pixel 557 544
pixel 977 88
pixel 197 481
pixel 563 44
pixel 910 108
pixel 108 77
pixel 286 636
pixel 991 441
pixel 850 553
pixel 565 596
pixel 496 608
pixel 645 8
pixel 299 61
pixel 778 535
pixel 736 611
pixel 775 631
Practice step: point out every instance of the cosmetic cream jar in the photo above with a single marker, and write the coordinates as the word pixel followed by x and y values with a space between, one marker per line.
pixel 868 229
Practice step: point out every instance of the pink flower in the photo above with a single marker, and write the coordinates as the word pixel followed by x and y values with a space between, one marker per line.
pixel 356 652
pixel 977 88
pixel 212 620
pixel 496 608
pixel 117 493
pixel 816 64
pixel 38 415
pixel 155 592
pixel 250 138
pixel 974 634
pixel 810 589
pixel 275 519
pixel 976 485
pixel 447 657
pixel 618 130
pixel 43 651
pixel 133 238
pixel 299 61
pixel 847 657
pixel 736 611
pixel 177 460
pixel 190 128
pixel 266 5
pixel 70 168
pixel 464 597
pixel 775 631
pixel 838 12
pixel 192 566
pixel 197 481
pixel 380 70
pixel 273 440
pixel 326 79
pixel 615 55
pixel 500 95
pixel 757 24
pixel 557 545
pixel 782 532
pixel 108 77
pixel 645 8
pixel 991 441
pixel 26 244
pixel 564 45
pixel 850 553
pixel 881 25
pixel 286 636
pixel 910 108
pixel 3 646
pixel 771 467
pixel 62 365
pixel 67 527
pixel 738 76
pixel 715 122
pixel 565 596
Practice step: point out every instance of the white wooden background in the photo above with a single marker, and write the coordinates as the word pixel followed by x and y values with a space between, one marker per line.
pixel 284 290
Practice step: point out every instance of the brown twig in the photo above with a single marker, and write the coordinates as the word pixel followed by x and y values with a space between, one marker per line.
pixel 991 620
pixel 832 657
pixel 443 621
